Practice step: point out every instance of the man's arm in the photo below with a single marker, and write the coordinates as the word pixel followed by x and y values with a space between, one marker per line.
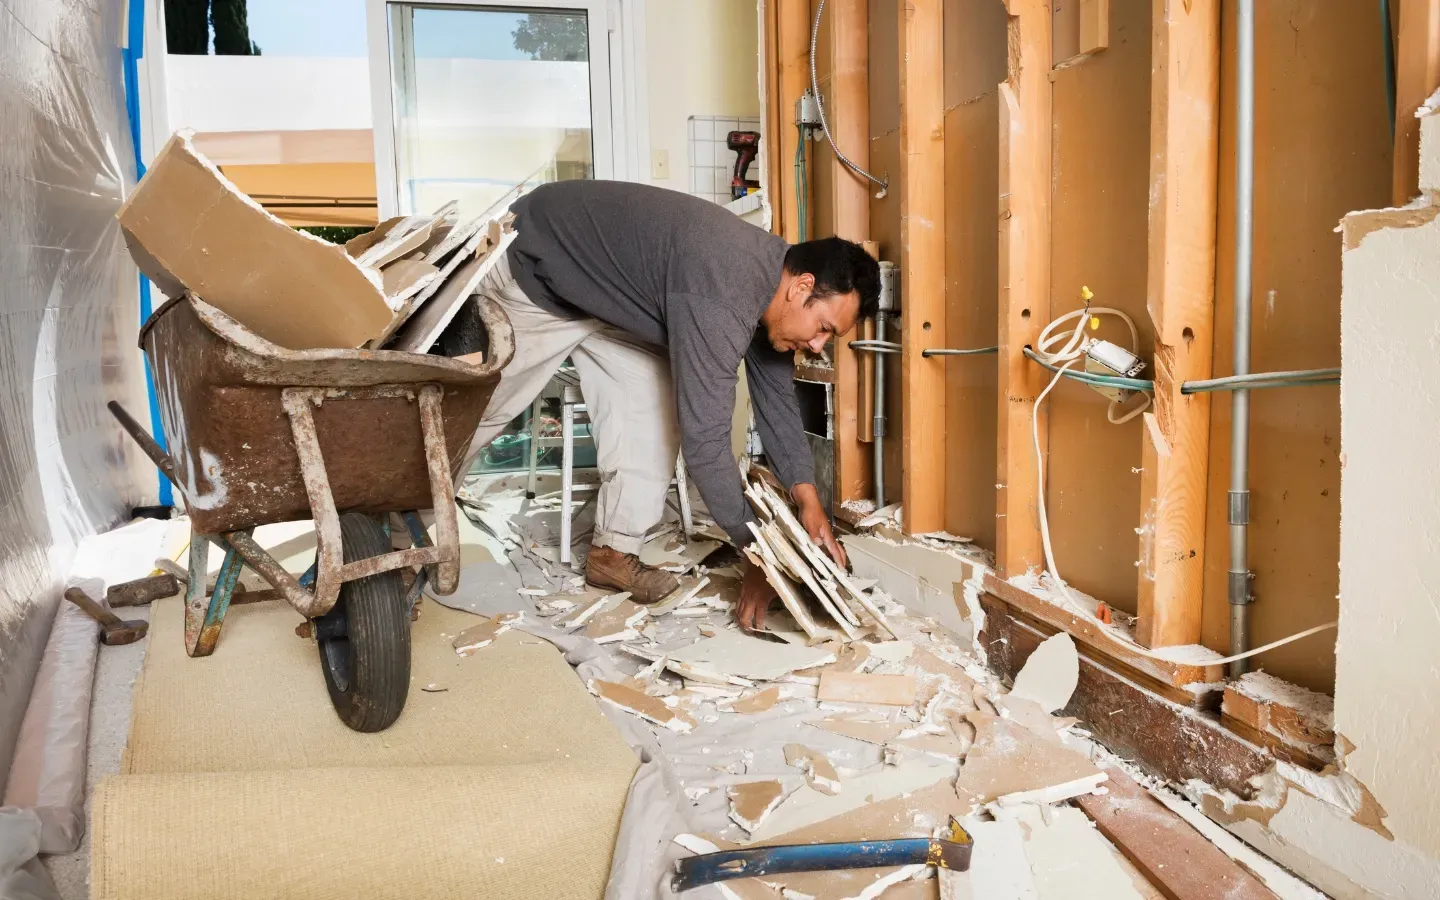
pixel 706 341
pixel 771 377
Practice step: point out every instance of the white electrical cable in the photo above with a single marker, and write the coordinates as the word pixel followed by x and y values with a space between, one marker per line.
pixel 1072 351
pixel 820 107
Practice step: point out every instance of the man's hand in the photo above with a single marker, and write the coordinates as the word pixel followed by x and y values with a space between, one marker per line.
pixel 756 593
pixel 816 522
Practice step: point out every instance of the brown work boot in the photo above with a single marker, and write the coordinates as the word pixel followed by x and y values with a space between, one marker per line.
pixel 609 568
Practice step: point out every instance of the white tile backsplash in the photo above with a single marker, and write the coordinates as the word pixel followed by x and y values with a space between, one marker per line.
pixel 712 164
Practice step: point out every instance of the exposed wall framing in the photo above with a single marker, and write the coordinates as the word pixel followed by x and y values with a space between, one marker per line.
pixel 1110 167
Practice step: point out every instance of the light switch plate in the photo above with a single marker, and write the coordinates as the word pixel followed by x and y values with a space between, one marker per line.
pixel 660 165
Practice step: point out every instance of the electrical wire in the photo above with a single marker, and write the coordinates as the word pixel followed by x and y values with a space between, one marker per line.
pixel 820 106
pixel 802 186
pixel 1073 350
pixel 1060 362
pixel 1254 380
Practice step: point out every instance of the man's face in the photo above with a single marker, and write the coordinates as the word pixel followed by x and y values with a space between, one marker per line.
pixel 802 322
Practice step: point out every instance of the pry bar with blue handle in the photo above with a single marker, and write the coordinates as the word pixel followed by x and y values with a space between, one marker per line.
pixel 949 852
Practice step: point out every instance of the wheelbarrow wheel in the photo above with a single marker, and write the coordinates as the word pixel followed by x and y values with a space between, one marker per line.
pixel 365 639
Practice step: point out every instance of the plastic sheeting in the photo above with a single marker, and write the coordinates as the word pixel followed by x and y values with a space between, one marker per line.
pixel 68 313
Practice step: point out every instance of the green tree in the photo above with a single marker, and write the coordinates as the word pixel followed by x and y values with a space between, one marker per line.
pixel 187 27
pixel 558 37
pixel 232 29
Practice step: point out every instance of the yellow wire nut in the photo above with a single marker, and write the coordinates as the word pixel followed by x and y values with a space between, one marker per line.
pixel 1085 294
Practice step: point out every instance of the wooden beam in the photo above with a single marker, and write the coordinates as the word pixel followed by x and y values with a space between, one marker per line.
pixel 1024 279
pixel 1094 25
pixel 1180 861
pixel 922 263
pixel 792 37
pixel 1417 75
pixel 1172 740
pixel 1180 297
pixel 1090 641
pixel 774 121
pixel 849 117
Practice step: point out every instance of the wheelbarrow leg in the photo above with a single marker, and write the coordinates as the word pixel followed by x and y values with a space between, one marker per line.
pixel 204 616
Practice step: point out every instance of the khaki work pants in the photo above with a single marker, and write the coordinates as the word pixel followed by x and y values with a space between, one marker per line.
pixel 628 393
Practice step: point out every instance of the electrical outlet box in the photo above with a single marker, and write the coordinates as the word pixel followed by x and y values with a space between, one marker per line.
pixel 807 111
pixel 1105 358
pixel 660 165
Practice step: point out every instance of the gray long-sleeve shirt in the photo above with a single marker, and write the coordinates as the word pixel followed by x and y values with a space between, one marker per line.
pixel 685 274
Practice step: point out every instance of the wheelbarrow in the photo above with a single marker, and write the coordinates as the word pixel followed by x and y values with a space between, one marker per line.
pixel 259 434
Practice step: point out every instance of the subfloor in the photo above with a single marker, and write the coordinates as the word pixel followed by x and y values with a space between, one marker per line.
pixel 727 735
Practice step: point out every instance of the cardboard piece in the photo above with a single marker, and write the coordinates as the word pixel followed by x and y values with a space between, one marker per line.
pixel 189 228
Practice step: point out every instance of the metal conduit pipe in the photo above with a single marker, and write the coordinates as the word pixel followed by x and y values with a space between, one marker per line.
pixel 1239 573
pixel 877 446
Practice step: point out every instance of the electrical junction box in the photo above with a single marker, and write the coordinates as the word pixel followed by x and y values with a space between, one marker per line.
pixel 807 111
pixel 1105 358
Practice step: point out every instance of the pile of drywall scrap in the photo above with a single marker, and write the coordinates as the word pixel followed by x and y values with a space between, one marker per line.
pixel 398 287
pixel 803 574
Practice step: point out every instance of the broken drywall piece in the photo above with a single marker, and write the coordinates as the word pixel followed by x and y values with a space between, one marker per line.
pixel 431 317
pixel 407 235
pixel 692 672
pixel 752 801
pixel 1050 675
pixel 751 658
pixel 1069 859
pixel 1032 716
pixel 649 708
pixel 999 869
pixel 1007 759
pixel 404 279
pixel 888 734
pixel 587 611
pixel 819 772
pixel 849 687
pixel 782 584
pixel 807 806
pixel 665 552
pixel 189 228
pixel 892 651
pixel 688 590
pixel 755 702
pixel 617 621
pixel 484 634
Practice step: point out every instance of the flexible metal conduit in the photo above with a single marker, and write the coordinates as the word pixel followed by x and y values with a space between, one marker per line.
pixel 1239 574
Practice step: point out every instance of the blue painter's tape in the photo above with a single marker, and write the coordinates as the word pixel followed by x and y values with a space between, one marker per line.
pixel 130 62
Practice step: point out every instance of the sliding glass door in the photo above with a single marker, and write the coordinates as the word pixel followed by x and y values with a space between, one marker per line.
pixel 481 98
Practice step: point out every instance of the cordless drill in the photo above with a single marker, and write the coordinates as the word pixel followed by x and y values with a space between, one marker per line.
pixel 746 145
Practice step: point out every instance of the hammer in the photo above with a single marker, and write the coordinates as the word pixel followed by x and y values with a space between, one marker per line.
pixel 115 630
pixel 949 852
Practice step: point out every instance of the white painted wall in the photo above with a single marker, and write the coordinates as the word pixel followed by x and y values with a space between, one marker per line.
pixel 1387 693
pixel 703 59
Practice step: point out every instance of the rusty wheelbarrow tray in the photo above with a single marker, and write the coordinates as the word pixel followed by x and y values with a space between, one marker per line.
pixel 259 434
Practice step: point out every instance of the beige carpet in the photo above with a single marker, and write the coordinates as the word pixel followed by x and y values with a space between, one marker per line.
pixel 502 780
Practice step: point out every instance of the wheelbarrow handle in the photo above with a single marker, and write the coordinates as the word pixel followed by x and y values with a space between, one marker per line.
pixel 163 461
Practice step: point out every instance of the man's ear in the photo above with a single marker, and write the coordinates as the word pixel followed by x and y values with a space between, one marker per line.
pixel 802 287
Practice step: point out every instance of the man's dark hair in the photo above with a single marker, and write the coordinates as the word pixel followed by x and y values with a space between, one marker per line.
pixel 839 267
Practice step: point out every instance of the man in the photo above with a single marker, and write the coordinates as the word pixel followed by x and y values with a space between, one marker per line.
pixel 656 296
